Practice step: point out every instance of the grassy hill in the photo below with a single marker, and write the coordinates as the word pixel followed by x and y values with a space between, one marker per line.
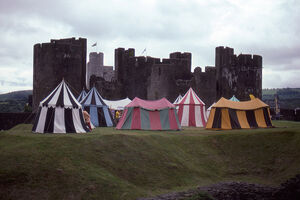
pixel 112 164
pixel 289 98
pixel 14 101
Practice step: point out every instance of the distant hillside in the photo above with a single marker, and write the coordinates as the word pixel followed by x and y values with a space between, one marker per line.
pixel 289 98
pixel 17 95
pixel 14 101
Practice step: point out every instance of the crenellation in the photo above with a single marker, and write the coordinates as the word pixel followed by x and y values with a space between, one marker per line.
pixel 165 61
pixel 245 60
pixel 210 69
pixel 175 55
pixel 197 70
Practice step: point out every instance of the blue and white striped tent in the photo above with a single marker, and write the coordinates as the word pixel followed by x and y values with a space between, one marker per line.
pixel 60 112
pixel 98 110
pixel 82 95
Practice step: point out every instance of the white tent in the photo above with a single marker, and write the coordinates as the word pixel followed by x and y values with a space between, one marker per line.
pixel 60 112
pixel 117 104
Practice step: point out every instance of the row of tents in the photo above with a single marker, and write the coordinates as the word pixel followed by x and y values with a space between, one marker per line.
pixel 61 112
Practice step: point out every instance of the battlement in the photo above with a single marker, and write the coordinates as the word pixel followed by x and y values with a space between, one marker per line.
pixel 129 52
pixel 225 57
pixel 66 41
pixel 254 61
pixel 208 69
pixel 179 55
pixel 96 58
pixel 127 58
pixel 69 41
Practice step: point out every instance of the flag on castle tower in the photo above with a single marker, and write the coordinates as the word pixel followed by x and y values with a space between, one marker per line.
pixel 94 44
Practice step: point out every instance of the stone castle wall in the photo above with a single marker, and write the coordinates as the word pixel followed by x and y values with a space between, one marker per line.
pixel 143 77
pixel 150 78
pixel 204 84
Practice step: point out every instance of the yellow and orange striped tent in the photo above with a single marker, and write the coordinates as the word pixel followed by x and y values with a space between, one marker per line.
pixel 226 114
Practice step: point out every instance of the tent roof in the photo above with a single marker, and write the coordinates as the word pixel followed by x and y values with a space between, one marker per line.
pixel 61 96
pixel 117 104
pixel 81 95
pixel 233 98
pixel 190 97
pixel 242 105
pixel 93 98
pixel 151 105
pixel 178 99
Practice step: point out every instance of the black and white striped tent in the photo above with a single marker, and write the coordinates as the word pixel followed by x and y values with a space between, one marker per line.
pixel 96 107
pixel 60 112
pixel 82 95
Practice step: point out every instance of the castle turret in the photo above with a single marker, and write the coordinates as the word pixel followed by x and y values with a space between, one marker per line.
pixel 94 66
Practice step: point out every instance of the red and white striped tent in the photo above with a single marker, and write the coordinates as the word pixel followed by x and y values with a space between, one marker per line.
pixel 191 110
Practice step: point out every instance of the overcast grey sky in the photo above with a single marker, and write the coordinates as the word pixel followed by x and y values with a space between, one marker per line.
pixel 269 28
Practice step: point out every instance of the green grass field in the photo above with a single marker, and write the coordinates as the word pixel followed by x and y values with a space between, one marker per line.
pixel 114 164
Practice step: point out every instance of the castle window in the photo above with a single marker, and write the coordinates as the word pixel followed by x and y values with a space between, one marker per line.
pixel 158 71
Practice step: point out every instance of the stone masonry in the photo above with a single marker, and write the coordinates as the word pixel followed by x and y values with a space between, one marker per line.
pixel 150 78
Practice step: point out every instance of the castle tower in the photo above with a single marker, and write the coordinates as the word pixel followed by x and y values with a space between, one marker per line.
pixel 249 76
pixel 94 66
pixel 121 63
pixel 58 59
pixel 237 75
pixel 223 61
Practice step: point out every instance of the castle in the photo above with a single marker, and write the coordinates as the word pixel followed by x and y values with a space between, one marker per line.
pixel 145 77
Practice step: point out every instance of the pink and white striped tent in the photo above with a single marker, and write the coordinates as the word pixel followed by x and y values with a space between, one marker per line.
pixel 191 111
